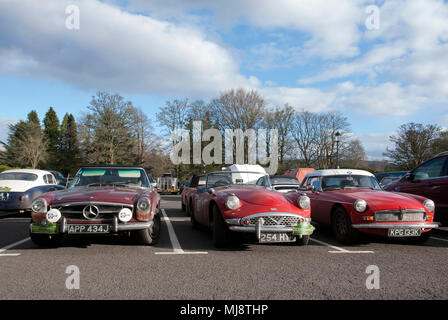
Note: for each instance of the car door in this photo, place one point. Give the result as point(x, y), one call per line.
point(424, 180)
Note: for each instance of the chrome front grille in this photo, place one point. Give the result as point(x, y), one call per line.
point(276, 220)
point(106, 212)
point(397, 215)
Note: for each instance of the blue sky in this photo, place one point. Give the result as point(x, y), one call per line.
point(316, 55)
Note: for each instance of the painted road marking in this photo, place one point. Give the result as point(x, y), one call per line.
point(435, 238)
point(177, 249)
point(338, 249)
point(12, 245)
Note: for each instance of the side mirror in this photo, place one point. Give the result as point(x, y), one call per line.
point(211, 191)
point(408, 176)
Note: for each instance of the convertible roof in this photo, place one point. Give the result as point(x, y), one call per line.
point(338, 172)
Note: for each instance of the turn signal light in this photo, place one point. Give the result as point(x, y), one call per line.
point(430, 218)
point(143, 216)
point(368, 218)
point(38, 217)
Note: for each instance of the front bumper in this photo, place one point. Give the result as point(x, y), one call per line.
point(302, 228)
point(396, 225)
point(115, 227)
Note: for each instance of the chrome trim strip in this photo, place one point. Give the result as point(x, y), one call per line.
point(394, 225)
point(262, 229)
point(135, 226)
point(93, 203)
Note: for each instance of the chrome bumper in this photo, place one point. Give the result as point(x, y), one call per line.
point(262, 228)
point(116, 227)
point(394, 226)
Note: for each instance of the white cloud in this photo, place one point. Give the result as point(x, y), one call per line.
point(113, 50)
point(375, 144)
point(4, 127)
point(331, 25)
point(310, 99)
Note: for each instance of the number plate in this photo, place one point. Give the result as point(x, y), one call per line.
point(88, 228)
point(276, 237)
point(404, 232)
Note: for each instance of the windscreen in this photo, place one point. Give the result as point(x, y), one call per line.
point(227, 178)
point(110, 176)
point(349, 182)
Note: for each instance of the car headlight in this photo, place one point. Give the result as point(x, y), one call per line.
point(429, 204)
point(232, 202)
point(143, 205)
point(360, 205)
point(39, 205)
point(303, 201)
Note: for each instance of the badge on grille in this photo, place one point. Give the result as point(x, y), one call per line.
point(402, 213)
point(90, 212)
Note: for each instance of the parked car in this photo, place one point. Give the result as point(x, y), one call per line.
point(100, 200)
point(299, 173)
point(279, 183)
point(19, 187)
point(168, 184)
point(387, 180)
point(231, 202)
point(183, 185)
point(389, 174)
point(351, 201)
point(430, 179)
point(187, 192)
point(60, 179)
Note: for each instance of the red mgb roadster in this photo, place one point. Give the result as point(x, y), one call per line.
point(100, 200)
point(351, 201)
point(231, 202)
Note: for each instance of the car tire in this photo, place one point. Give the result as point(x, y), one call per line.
point(151, 235)
point(45, 240)
point(341, 226)
point(183, 206)
point(302, 241)
point(220, 231)
point(194, 222)
point(419, 240)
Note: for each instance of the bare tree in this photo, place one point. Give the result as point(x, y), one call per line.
point(238, 109)
point(412, 144)
point(282, 118)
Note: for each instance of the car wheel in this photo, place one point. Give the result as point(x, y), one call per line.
point(419, 240)
point(45, 240)
point(194, 222)
point(302, 241)
point(151, 235)
point(342, 227)
point(188, 209)
point(183, 206)
point(220, 231)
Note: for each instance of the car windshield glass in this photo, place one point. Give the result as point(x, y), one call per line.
point(18, 176)
point(90, 177)
point(349, 182)
point(284, 180)
point(228, 178)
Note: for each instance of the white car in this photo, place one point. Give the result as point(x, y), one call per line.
point(19, 187)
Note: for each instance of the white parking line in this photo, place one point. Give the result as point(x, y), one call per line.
point(435, 238)
point(338, 249)
point(12, 245)
point(177, 249)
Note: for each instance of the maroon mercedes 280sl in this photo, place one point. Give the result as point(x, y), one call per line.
point(100, 200)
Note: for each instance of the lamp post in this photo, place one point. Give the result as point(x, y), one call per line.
point(337, 135)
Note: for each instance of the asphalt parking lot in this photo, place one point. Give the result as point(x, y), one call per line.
point(185, 265)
